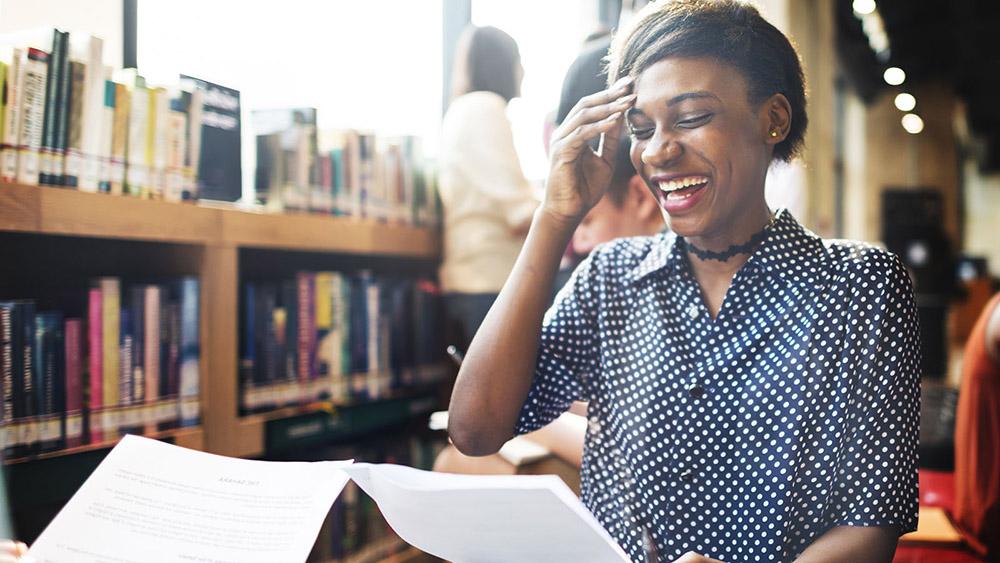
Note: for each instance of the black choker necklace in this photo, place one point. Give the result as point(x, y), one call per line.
point(745, 248)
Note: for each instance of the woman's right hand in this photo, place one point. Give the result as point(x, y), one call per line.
point(579, 176)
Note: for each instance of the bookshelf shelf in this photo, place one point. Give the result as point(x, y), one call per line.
point(323, 421)
point(318, 233)
point(55, 211)
point(192, 437)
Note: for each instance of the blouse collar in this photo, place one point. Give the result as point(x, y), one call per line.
point(790, 251)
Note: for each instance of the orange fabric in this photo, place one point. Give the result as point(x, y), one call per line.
point(977, 443)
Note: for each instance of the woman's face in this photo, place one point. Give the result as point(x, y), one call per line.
point(700, 146)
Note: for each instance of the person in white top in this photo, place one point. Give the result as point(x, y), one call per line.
point(488, 203)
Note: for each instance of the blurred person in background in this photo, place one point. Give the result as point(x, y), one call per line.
point(977, 437)
point(626, 210)
point(488, 203)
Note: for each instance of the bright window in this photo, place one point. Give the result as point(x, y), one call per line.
point(549, 35)
point(368, 65)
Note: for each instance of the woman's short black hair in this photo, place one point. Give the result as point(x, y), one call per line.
point(730, 31)
point(486, 59)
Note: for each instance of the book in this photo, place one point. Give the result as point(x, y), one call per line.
point(104, 143)
point(218, 156)
point(152, 343)
point(156, 147)
point(110, 361)
point(119, 138)
point(50, 380)
point(137, 171)
point(7, 376)
point(190, 351)
point(286, 157)
point(74, 357)
point(32, 83)
point(73, 151)
point(88, 158)
point(12, 94)
point(49, 161)
point(95, 365)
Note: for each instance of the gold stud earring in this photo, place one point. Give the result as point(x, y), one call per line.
point(774, 133)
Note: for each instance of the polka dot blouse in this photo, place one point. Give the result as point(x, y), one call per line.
point(745, 437)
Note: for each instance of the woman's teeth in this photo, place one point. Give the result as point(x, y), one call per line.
point(673, 188)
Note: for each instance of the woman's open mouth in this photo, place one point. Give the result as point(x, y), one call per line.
point(681, 193)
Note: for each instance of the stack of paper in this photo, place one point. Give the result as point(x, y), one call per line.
point(150, 502)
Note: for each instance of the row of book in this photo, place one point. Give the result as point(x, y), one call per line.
point(355, 526)
point(110, 360)
point(344, 172)
point(338, 337)
point(67, 119)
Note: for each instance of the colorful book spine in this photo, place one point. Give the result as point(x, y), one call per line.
point(137, 169)
point(50, 380)
point(73, 163)
point(73, 334)
point(9, 141)
point(51, 109)
point(8, 432)
point(325, 337)
point(119, 138)
point(24, 327)
point(110, 362)
point(95, 364)
point(63, 101)
point(35, 72)
point(124, 421)
point(104, 143)
point(3, 101)
point(156, 142)
point(94, 137)
point(190, 352)
point(306, 328)
point(151, 355)
point(137, 379)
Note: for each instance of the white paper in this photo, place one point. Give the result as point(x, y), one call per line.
point(487, 518)
point(152, 502)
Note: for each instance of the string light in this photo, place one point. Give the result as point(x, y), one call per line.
point(905, 102)
point(912, 123)
point(864, 7)
point(894, 76)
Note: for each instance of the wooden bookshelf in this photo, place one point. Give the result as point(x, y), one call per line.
point(188, 238)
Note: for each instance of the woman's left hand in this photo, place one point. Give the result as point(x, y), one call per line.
point(13, 551)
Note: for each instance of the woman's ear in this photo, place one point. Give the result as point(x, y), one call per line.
point(777, 117)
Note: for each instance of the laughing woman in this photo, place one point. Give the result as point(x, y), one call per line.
point(753, 389)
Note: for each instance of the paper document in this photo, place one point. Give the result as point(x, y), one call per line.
point(487, 518)
point(152, 502)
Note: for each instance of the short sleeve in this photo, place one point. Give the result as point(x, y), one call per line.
point(876, 482)
point(568, 357)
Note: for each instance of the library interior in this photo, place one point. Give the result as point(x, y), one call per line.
point(728, 269)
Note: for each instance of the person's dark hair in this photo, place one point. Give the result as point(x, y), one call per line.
point(730, 31)
point(486, 59)
point(587, 76)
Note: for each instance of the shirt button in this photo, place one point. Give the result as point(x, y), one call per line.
point(693, 311)
point(687, 475)
point(594, 425)
point(696, 391)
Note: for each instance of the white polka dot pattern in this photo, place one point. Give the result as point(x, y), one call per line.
point(745, 437)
